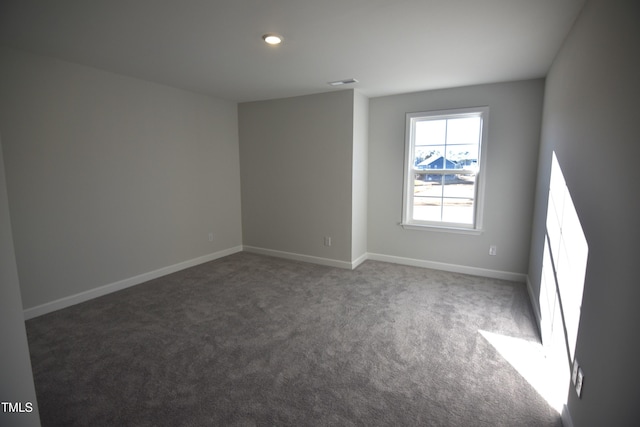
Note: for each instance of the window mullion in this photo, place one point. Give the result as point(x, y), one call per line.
point(444, 164)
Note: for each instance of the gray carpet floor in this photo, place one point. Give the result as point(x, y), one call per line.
point(249, 340)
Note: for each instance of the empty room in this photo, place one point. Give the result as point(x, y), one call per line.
point(248, 213)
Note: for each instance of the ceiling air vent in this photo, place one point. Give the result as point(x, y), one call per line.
point(343, 82)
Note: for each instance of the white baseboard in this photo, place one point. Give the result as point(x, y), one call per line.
point(58, 304)
point(536, 305)
point(495, 274)
point(68, 301)
point(299, 257)
point(362, 258)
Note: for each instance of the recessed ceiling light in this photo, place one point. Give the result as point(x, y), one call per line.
point(272, 39)
point(343, 82)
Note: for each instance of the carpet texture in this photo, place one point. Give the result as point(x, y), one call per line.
point(249, 340)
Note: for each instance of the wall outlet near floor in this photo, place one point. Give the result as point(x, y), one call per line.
point(327, 240)
point(211, 237)
point(493, 250)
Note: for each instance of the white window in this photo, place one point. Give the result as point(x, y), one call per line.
point(444, 168)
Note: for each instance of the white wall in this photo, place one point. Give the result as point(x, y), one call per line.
point(297, 157)
point(110, 177)
point(590, 121)
point(512, 149)
point(360, 176)
point(16, 379)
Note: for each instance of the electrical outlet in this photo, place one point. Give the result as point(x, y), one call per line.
point(327, 240)
point(211, 237)
point(493, 250)
point(579, 382)
point(577, 376)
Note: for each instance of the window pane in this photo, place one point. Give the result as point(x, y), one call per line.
point(461, 186)
point(463, 155)
point(457, 210)
point(463, 131)
point(427, 209)
point(427, 188)
point(424, 155)
point(430, 132)
point(431, 157)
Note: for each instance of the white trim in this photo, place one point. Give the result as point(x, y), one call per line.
point(494, 274)
point(408, 169)
point(299, 257)
point(536, 306)
point(70, 300)
point(567, 421)
point(362, 258)
point(439, 228)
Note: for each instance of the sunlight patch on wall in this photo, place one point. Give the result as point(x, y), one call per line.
point(566, 252)
point(547, 366)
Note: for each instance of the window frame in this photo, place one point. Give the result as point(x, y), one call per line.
point(410, 171)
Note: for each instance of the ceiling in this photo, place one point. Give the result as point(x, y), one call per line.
point(215, 46)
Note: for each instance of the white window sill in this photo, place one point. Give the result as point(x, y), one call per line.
point(445, 229)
